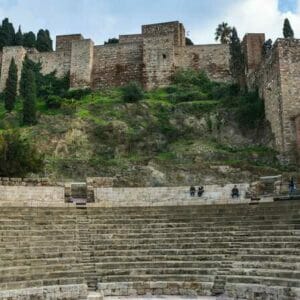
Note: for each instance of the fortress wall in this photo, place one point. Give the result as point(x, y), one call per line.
point(53, 61)
point(117, 64)
point(64, 42)
point(252, 47)
point(158, 60)
point(278, 81)
point(81, 63)
point(269, 83)
point(164, 196)
point(131, 38)
point(289, 66)
point(175, 29)
point(213, 59)
point(16, 52)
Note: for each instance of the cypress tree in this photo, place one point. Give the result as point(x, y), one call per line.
point(50, 42)
point(237, 62)
point(287, 29)
point(10, 91)
point(29, 40)
point(29, 99)
point(7, 34)
point(19, 37)
point(43, 42)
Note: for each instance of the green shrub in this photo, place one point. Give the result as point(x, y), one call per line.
point(77, 94)
point(18, 156)
point(132, 92)
point(250, 110)
point(184, 95)
point(54, 102)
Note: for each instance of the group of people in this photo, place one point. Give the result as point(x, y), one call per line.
point(200, 191)
point(235, 193)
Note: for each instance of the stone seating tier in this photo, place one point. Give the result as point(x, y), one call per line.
point(241, 251)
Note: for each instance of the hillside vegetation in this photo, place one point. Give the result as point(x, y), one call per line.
point(194, 130)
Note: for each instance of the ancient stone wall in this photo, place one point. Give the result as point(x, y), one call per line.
point(64, 42)
point(297, 122)
point(278, 80)
point(164, 196)
point(269, 82)
point(289, 64)
point(175, 29)
point(130, 38)
point(213, 59)
point(149, 58)
point(117, 64)
point(158, 60)
point(53, 61)
point(252, 47)
point(82, 56)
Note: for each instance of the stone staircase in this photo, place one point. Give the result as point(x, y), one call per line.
point(236, 251)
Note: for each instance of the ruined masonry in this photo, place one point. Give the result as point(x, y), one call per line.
point(152, 56)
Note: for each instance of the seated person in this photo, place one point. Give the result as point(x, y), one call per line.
point(235, 192)
point(192, 191)
point(200, 191)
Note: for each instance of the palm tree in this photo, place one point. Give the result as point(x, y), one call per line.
point(223, 33)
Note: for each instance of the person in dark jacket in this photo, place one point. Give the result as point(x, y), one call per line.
point(192, 191)
point(235, 193)
point(200, 191)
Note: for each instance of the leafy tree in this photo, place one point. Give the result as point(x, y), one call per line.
point(132, 92)
point(29, 40)
point(112, 41)
point(19, 37)
point(29, 97)
point(17, 156)
point(223, 33)
point(44, 42)
point(267, 47)
point(287, 29)
point(237, 61)
point(188, 42)
point(10, 91)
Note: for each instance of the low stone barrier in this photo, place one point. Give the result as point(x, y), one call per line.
point(59, 292)
point(31, 192)
point(161, 196)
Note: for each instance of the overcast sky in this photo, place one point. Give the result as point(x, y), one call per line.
point(102, 19)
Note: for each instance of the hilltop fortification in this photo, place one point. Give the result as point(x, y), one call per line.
point(152, 56)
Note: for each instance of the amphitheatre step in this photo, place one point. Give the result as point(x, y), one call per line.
point(156, 288)
point(159, 250)
point(66, 292)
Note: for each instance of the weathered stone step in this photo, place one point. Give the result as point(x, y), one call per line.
point(275, 273)
point(39, 283)
point(66, 292)
point(167, 277)
point(123, 234)
point(254, 291)
point(13, 262)
point(268, 281)
point(156, 271)
point(156, 288)
point(178, 244)
point(207, 251)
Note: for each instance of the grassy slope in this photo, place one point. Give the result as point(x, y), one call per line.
point(100, 135)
